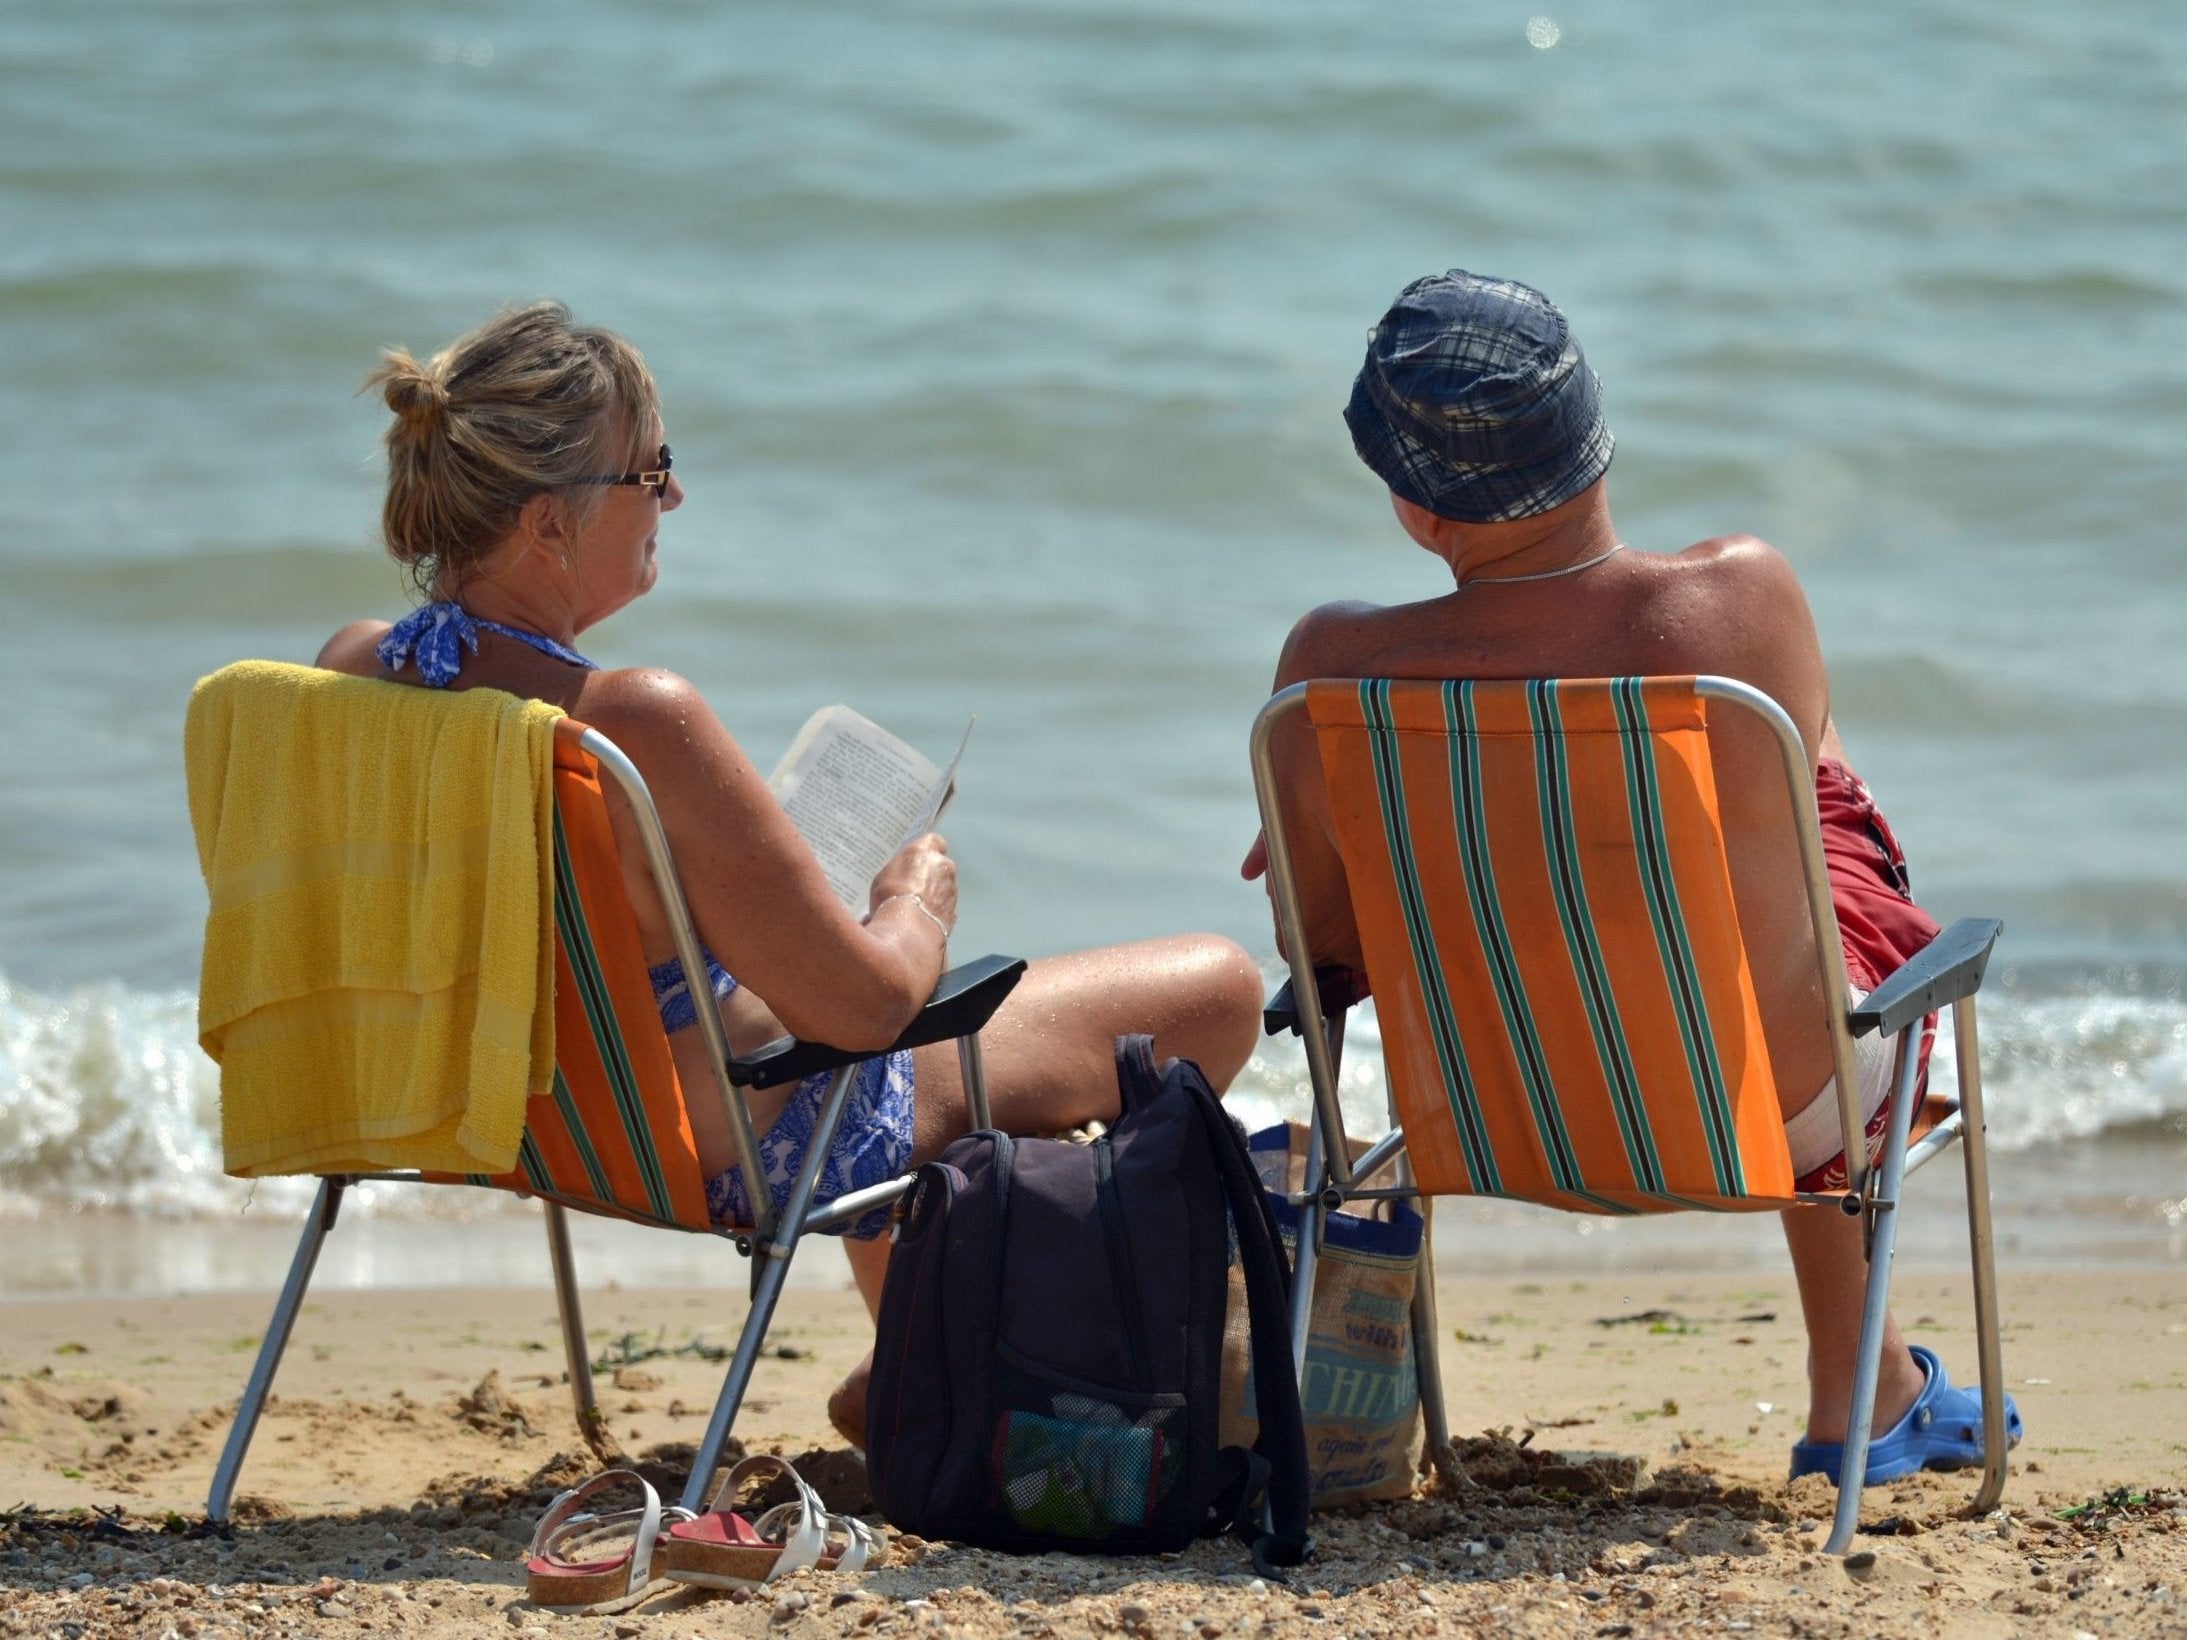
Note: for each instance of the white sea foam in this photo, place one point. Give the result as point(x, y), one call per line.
point(2072, 1067)
point(107, 1103)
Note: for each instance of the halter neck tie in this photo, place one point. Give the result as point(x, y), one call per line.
point(437, 635)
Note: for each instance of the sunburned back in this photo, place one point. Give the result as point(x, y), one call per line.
point(1728, 606)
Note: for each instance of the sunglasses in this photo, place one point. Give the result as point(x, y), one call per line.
point(653, 478)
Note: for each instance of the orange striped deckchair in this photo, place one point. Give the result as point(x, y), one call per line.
point(611, 1135)
point(1538, 874)
point(608, 1075)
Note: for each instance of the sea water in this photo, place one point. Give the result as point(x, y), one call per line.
point(1002, 348)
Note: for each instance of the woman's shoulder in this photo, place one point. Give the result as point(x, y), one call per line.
point(354, 649)
point(647, 708)
point(664, 725)
point(640, 695)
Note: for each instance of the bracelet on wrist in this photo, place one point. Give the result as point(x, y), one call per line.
point(923, 911)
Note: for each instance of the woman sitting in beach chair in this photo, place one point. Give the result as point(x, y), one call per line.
point(528, 474)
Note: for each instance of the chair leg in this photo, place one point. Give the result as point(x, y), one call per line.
point(770, 1272)
point(973, 1070)
point(1427, 1353)
point(1306, 1256)
point(324, 1209)
point(1436, 1455)
point(567, 1302)
point(1885, 1182)
point(1989, 1346)
point(765, 1291)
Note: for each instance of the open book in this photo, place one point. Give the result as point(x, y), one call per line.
point(858, 794)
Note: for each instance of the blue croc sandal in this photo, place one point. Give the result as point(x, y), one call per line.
point(1941, 1430)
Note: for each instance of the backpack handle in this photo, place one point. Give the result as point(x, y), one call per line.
point(1138, 1082)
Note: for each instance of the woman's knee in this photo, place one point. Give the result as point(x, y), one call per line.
point(1237, 977)
point(1198, 995)
point(1219, 1004)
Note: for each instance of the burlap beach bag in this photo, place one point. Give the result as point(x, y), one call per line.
point(1361, 1391)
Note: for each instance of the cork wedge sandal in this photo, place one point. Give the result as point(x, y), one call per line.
point(582, 1563)
point(722, 1550)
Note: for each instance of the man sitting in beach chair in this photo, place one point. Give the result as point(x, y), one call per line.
point(1478, 411)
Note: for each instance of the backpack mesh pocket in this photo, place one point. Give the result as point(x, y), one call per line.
point(1082, 1461)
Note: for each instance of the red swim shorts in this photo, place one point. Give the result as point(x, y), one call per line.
point(1879, 927)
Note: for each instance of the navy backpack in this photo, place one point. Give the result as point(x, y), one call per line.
point(1048, 1368)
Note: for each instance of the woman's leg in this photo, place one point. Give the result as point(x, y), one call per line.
point(869, 1267)
point(1050, 1051)
point(847, 1402)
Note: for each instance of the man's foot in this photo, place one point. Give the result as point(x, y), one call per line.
point(1941, 1430)
point(847, 1405)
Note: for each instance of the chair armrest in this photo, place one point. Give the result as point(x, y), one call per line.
point(1947, 968)
point(964, 999)
point(1340, 988)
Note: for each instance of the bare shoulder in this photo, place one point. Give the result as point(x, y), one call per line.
point(354, 649)
point(657, 716)
point(641, 701)
point(1740, 605)
point(1731, 584)
point(1330, 641)
point(1737, 562)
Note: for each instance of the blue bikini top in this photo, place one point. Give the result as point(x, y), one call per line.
point(438, 634)
point(672, 990)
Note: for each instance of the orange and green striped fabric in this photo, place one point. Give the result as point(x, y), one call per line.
point(611, 1136)
point(1538, 874)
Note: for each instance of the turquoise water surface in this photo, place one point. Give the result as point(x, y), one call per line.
point(1003, 346)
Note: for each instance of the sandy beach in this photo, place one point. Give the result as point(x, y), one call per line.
point(1625, 1440)
point(1005, 352)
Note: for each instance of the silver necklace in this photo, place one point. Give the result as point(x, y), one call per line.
point(1545, 574)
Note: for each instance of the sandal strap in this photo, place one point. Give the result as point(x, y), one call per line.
point(805, 1543)
point(565, 1521)
point(859, 1540)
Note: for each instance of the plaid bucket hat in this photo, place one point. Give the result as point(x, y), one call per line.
point(1476, 403)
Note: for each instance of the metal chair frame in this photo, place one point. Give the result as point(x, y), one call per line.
point(1949, 970)
point(963, 1001)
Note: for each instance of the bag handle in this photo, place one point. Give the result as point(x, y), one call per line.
point(1138, 1082)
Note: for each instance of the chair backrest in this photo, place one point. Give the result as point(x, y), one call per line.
point(1539, 878)
point(328, 911)
point(612, 1135)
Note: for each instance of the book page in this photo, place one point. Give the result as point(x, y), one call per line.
point(857, 794)
point(944, 789)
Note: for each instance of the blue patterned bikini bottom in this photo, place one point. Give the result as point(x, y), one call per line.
point(872, 1143)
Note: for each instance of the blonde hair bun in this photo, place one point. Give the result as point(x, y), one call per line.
point(412, 391)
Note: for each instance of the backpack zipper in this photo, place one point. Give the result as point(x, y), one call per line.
point(1121, 1275)
point(1002, 1159)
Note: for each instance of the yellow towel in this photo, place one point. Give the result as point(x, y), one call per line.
point(378, 980)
